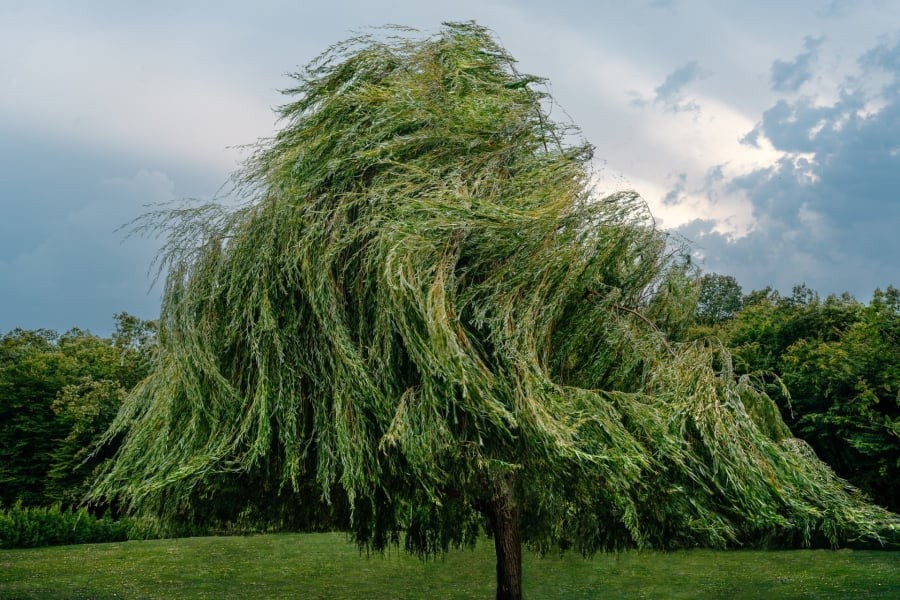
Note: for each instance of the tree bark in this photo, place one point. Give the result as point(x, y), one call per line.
point(504, 517)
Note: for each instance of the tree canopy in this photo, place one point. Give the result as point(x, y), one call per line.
point(833, 367)
point(719, 299)
point(422, 311)
point(58, 393)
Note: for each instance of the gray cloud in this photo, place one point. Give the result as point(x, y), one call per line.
point(62, 262)
point(834, 8)
point(670, 93)
point(714, 175)
point(827, 212)
point(164, 87)
point(788, 76)
point(80, 269)
point(884, 56)
point(675, 195)
point(676, 80)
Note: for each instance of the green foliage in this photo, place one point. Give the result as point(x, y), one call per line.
point(839, 361)
point(720, 298)
point(134, 340)
point(421, 306)
point(85, 411)
point(58, 393)
point(30, 527)
point(34, 367)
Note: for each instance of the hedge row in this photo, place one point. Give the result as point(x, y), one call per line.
point(29, 527)
point(34, 526)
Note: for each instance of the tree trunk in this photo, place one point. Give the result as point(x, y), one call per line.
point(504, 517)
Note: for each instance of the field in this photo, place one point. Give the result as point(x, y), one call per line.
point(326, 566)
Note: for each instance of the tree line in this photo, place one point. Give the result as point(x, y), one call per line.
point(58, 394)
point(831, 364)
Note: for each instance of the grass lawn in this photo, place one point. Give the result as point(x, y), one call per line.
point(327, 566)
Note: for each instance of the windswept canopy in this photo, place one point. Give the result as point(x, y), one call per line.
point(421, 306)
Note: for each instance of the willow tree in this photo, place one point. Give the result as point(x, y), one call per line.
point(421, 310)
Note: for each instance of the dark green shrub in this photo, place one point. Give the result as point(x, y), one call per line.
point(29, 527)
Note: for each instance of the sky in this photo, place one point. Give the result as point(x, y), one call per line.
point(767, 133)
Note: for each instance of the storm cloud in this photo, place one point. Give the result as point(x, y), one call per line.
point(766, 132)
point(828, 210)
point(789, 75)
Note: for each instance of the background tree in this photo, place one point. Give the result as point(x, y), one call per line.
point(720, 298)
point(85, 407)
point(83, 411)
point(31, 373)
point(422, 311)
point(58, 394)
point(838, 361)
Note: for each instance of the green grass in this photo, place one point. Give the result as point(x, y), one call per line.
point(326, 566)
